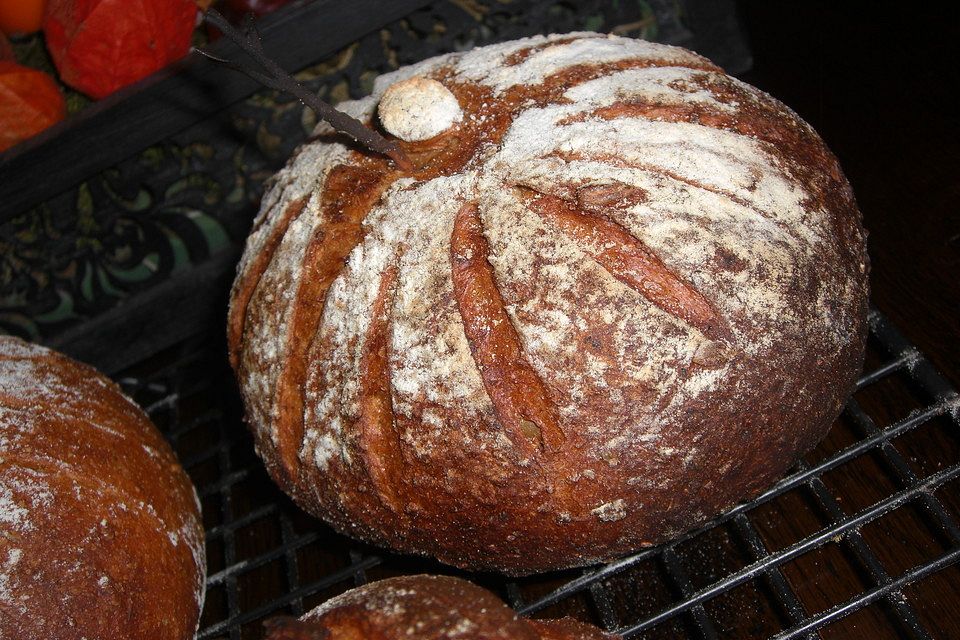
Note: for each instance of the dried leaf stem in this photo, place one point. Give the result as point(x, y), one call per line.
point(276, 78)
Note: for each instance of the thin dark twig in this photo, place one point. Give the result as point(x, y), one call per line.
point(276, 78)
point(262, 78)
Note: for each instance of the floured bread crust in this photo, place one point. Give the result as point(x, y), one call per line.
point(623, 293)
point(428, 608)
point(100, 530)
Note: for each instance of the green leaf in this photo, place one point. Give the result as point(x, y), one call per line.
point(106, 285)
point(153, 157)
point(63, 311)
point(138, 203)
point(181, 256)
point(213, 232)
point(86, 283)
point(137, 273)
point(84, 200)
point(209, 187)
point(593, 23)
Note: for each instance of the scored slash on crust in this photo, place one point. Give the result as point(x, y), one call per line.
point(630, 261)
point(351, 192)
point(520, 398)
point(518, 395)
point(537, 422)
point(378, 438)
point(249, 278)
point(390, 418)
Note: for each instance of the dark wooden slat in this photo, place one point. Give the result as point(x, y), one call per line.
point(155, 319)
point(177, 97)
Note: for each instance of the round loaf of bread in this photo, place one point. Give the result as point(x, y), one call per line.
point(619, 292)
point(427, 608)
point(100, 531)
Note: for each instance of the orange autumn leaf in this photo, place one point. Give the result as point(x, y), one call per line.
point(30, 101)
point(21, 16)
point(100, 46)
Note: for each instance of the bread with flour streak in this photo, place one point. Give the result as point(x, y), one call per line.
point(100, 531)
point(620, 292)
point(428, 608)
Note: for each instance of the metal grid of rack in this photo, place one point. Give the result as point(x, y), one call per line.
point(737, 576)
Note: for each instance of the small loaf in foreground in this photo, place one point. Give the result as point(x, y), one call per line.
point(619, 292)
point(427, 608)
point(100, 531)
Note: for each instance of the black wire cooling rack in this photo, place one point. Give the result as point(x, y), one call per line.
point(871, 497)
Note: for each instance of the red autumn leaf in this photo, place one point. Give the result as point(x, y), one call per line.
point(20, 16)
point(102, 45)
point(30, 101)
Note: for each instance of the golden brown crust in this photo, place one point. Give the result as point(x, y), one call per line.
point(350, 193)
point(627, 258)
point(378, 438)
point(100, 534)
point(245, 285)
point(621, 294)
point(519, 397)
point(428, 608)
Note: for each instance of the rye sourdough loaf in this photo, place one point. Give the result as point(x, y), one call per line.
point(427, 608)
point(100, 533)
point(619, 292)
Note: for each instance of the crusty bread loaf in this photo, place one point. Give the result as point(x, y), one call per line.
point(100, 532)
point(620, 292)
point(427, 608)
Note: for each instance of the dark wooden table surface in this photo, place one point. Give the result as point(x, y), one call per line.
point(877, 81)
